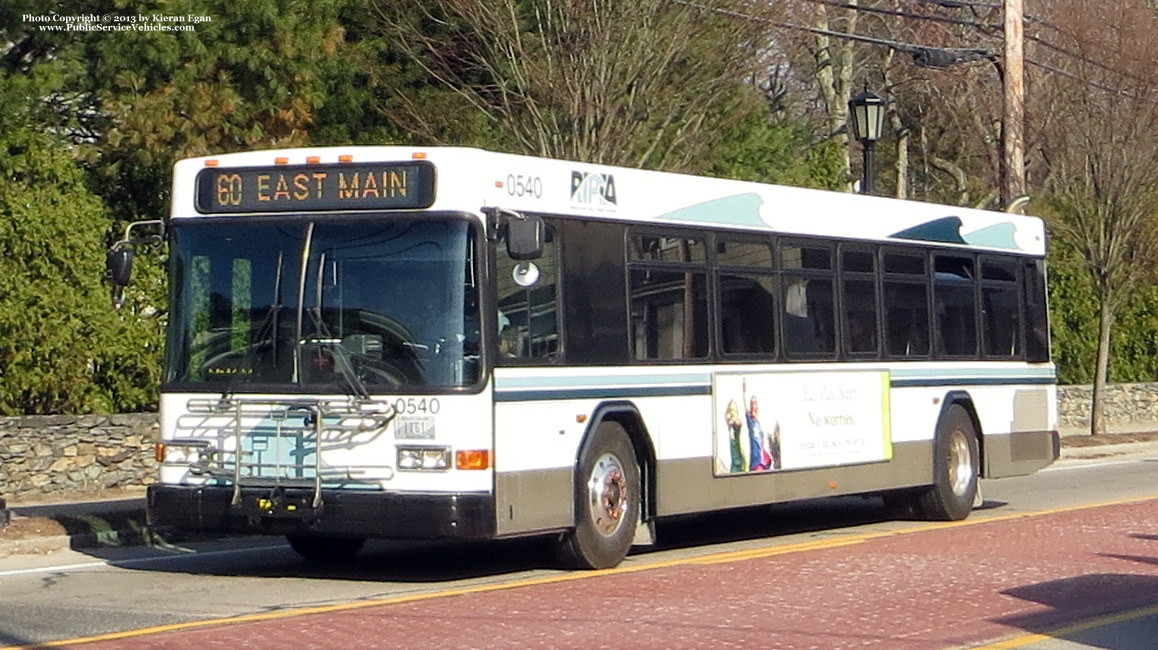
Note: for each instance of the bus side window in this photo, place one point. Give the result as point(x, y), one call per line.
point(668, 296)
point(809, 299)
point(747, 297)
point(1036, 317)
point(1000, 308)
point(906, 305)
point(954, 297)
point(859, 301)
point(748, 313)
point(527, 304)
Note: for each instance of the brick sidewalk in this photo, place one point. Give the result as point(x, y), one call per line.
point(945, 586)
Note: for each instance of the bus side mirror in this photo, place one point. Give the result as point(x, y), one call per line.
point(119, 261)
point(120, 265)
point(525, 237)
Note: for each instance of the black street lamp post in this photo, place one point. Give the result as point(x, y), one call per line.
point(868, 119)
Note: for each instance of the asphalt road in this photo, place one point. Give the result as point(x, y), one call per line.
point(1067, 556)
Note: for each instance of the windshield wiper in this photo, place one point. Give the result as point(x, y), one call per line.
point(343, 364)
point(305, 267)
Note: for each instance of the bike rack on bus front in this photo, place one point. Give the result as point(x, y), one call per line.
point(318, 415)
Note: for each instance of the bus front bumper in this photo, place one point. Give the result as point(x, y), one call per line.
point(289, 511)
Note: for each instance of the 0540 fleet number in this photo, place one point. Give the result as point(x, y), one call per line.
point(416, 406)
point(519, 185)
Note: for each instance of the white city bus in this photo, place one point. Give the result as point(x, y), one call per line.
point(429, 343)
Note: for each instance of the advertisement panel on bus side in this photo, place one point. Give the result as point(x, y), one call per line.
point(772, 421)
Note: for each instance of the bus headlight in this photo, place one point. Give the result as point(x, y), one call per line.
point(423, 458)
point(194, 453)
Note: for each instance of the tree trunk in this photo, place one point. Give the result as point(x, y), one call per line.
point(902, 151)
point(1097, 407)
point(834, 76)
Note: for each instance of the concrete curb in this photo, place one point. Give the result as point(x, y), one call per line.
point(98, 523)
point(134, 535)
point(53, 543)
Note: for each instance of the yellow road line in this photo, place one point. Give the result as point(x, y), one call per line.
point(1075, 628)
point(709, 558)
point(769, 551)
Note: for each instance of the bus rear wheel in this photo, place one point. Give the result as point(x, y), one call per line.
point(326, 549)
point(956, 468)
point(607, 501)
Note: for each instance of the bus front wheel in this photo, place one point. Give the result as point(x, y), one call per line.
point(956, 467)
point(607, 501)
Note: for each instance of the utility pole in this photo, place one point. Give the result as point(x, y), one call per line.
point(1013, 118)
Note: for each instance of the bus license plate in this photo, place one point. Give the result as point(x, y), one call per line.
point(411, 428)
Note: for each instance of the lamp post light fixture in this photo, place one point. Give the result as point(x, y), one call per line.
point(868, 120)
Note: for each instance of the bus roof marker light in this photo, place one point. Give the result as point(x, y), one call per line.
point(418, 155)
point(281, 160)
point(211, 162)
point(345, 158)
point(313, 160)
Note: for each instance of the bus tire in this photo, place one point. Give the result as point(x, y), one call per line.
point(326, 550)
point(956, 467)
point(607, 501)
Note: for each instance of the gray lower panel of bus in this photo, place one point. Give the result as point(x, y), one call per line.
point(542, 500)
point(1018, 454)
point(689, 486)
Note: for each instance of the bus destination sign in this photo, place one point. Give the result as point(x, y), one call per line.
point(347, 186)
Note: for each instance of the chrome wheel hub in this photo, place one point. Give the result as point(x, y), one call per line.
point(960, 463)
point(607, 493)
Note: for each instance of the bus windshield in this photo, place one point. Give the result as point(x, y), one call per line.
point(312, 304)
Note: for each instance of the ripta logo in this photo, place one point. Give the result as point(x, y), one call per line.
point(593, 190)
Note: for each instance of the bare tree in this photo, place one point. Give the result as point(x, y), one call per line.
point(647, 84)
point(935, 66)
point(947, 91)
point(835, 67)
point(1097, 115)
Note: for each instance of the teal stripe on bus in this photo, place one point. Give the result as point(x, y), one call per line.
point(600, 393)
point(1015, 373)
point(515, 389)
point(519, 389)
point(972, 381)
point(576, 381)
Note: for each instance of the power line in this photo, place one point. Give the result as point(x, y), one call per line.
point(961, 4)
point(958, 4)
point(1069, 75)
point(1082, 58)
point(950, 4)
point(907, 14)
point(923, 55)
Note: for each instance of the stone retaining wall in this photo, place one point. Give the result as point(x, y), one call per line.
point(1127, 406)
point(46, 454)
point(43, 455)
